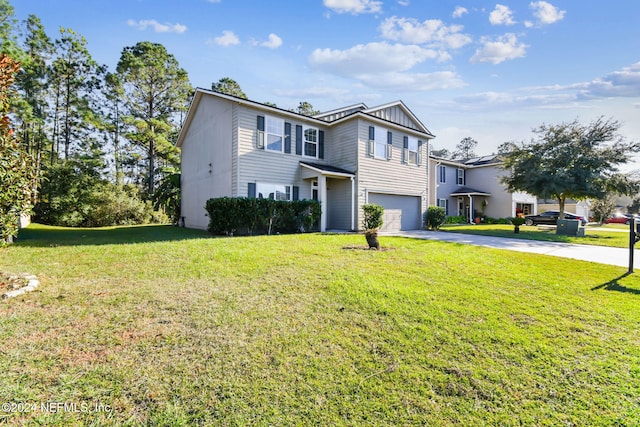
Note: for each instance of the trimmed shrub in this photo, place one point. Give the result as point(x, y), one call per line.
point(489, 220)
point(372, 216)
point(435, 217)
point(241, 215)
point(460, 219)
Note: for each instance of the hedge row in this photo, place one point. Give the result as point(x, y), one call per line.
point(241, 215)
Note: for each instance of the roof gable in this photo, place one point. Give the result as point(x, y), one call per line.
point(397, 112)
point(339, 113)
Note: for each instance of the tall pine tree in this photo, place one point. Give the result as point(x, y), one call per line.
point(156, 89)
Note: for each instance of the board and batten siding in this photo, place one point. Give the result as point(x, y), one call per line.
point(390, 176)
point(395, 114)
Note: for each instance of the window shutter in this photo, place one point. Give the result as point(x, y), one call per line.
point(389, 145)
point(446, 207)
point(419, 152)
point(287, 138)
point(252, 190)
point(405, 150)
point(371, 141)
point(321, 144)
point(299, 140)
point(296, 192)
point(260, 133)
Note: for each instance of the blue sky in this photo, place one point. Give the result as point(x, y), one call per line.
point(488, 70)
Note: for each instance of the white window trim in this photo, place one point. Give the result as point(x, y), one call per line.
point(380, 143)
point(263, 191)
point(267, 133)
point(413, 141)
point(460, 176)
point(442, 203)
point(304, 141)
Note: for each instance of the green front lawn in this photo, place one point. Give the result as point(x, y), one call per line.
point(166, 326)
point(593, 235)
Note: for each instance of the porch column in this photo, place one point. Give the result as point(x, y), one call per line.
point(470, 208)
point(322, 195)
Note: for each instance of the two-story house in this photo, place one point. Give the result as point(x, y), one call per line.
point(344, 158)
point(472, 188)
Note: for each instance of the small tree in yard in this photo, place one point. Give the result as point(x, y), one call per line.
point(603, 208)
point(570, 160)
point(372, 222)
point(16, 166)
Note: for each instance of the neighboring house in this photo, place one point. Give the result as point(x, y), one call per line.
point(344, 158)
point(578, 207)
point(472, 188)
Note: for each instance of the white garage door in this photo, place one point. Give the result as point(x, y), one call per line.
point(400, 212)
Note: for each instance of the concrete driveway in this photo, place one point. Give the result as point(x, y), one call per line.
point(599, 254)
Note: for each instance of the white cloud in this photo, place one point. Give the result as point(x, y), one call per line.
point(228, 38)
point(431, 32)
point(353, 6)
point(371, 58)
point(623, 83)
point(459, 11)
point(546, 13)
point(503, 48)
point(385, 66)
point(501, 15)
point(274, 42)
point(156, 26)
point(413, 81)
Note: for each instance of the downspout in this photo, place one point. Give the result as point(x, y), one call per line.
point(437, 180)
point(353, 202)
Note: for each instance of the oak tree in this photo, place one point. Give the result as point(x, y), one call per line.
point(570, 160)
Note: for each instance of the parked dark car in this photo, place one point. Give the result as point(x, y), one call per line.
point(551, 218)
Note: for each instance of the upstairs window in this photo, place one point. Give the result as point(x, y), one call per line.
point(380, 143)
point(311, 142)
point(411, 152)
point(442, 174)
point(460, 176)
point(274, 130)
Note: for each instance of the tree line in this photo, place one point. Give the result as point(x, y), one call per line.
point(94, 136)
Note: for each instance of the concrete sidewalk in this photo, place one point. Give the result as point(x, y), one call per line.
point(599, 254)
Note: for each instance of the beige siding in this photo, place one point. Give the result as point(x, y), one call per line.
point(261, 165)
point(432, 174)
point(339, 204)
point(206, 158)
point(341, 146)
point(389, 176)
